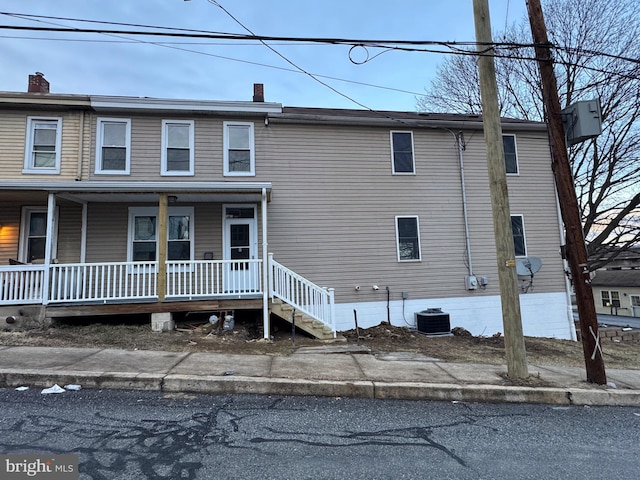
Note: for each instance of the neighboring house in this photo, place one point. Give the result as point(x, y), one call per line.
point(616, 289)
point(391, 210)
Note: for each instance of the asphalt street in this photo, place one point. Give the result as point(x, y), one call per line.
point(154, 435)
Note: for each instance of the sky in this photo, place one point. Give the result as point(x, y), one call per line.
point(206, 69)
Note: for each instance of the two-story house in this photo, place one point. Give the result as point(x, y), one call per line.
point(139, 205)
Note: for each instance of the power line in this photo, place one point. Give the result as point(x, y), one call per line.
point(297, 67)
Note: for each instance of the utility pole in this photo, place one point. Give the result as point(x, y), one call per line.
point(505, 251)
point(576, 251)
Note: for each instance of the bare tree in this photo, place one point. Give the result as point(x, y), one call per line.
point(597, 56)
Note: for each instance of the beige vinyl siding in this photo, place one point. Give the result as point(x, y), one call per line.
point(9, 232)
point(146, 142)
point(334, 204)
point(13, 126)
point(69, 233)
point(107, 231)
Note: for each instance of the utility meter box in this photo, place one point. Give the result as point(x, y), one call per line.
point(582, 121)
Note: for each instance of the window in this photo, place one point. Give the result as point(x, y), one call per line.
point(113, 146)
point(519, 241)
point(510, 154)
point(143, 238)
point(610, 298)
point(33, 235)
point(402, 153)
point(42, 150)
point(408, 239)
point(239, 155)
point(177, 147)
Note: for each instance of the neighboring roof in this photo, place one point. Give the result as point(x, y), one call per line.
point(395, 118)
point(617, 278)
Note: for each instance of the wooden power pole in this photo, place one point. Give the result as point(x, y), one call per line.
point(576, 251)
point(505, 251)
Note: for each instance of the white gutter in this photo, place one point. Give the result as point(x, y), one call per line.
point(140, 187)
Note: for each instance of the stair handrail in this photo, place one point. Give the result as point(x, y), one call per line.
point(304, 295)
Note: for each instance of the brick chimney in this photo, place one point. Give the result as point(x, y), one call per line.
point(258, 92)
point(38, 84)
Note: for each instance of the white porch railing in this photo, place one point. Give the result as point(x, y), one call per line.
point(103, 282)
point(21, 284)
point(209, 278)
point(303, 295)
point(131, 281)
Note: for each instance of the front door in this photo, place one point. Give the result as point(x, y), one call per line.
point(241, 273)
point(635, 305)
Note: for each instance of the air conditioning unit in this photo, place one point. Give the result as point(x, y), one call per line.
point(433, 321)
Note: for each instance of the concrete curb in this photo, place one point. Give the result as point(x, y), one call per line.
point(216, 385)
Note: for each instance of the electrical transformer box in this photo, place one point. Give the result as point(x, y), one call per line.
point(582, 121)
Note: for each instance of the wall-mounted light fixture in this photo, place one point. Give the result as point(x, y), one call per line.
point(172, 199)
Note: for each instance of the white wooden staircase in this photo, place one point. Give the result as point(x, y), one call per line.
point(313, 305)
point(304, 322)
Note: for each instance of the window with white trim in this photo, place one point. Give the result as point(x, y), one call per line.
point(113, 146)
point(143, 237)
point(408, 238)
point(519, 239)
point(33, 235)
point(402, 160)
point(177, 147)
point(610, 298)
point(43, 144)
point(510, 154)
point(239, 154)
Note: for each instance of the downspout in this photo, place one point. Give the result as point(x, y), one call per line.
point(265, 267)
point(565, 266)
point(461, 147)
point(51, 209)
point(80, 148)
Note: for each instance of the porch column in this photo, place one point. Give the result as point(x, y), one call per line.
point(266, 288)
point(51, 210)
point(161, 281)
point(83, 238)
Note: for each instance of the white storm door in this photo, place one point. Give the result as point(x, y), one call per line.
point(241, 274)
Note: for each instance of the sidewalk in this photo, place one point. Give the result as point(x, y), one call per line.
point(339, 371)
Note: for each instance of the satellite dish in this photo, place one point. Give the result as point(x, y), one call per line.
point(528, 266)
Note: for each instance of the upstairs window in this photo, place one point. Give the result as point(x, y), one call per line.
point(239, 155)
point(177, 147)
point(402, 153)
point(510, 154)
point(113, 146)
point(43, 142)
point(408, 239)
point(519, 240)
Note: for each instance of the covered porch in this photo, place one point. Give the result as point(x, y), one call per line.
point(208, 260)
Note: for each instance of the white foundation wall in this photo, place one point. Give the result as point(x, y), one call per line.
point(543, 315)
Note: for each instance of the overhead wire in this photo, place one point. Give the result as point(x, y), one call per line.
point(290, 62)
point(172, 46)
point(385, 45)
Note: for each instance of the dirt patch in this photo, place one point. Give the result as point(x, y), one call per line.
point(246, 337)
